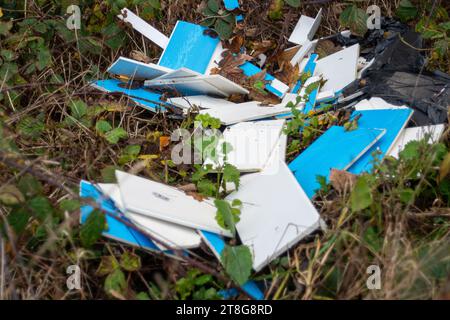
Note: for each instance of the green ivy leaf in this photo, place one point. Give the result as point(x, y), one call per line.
point(406, 11)
point(116, 282)
point(237, 262)
point(115, 135)
point(355, 19)
point(92, 229)
point(361, 196)
point(130, 261)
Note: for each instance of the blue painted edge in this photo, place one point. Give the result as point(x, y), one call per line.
point(217, 244)
point(250, 69)
point(116, 229)
point(112, 85)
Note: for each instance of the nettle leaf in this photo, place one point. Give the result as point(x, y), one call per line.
point(40, 207)
point(44, 58)
point(92, 228)
point(109, 174)
point(406, 10)
point(129, 154)
point(355, 19)
point(231, 174)
point(29, 185)
point(18, 219)
point(115, 135)
point(10, 195)
point(224, 29)
point(115, 282)
point(237, 262)
point(227, 214)
point(103, 126)
point(107, 265)
point(293, 3)
point(130, 261)
point(78, 109)
point(69, 205)
point(361, 196)
point(5, 26)
point(31, 127)
point(207, 187)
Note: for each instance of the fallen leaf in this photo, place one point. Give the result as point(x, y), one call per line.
point(139, 56)
point(164, 142)
point(197, 196)
point(342, 180)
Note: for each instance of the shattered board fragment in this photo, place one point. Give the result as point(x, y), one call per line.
point(433, 133)
point(136, 70)
point(116, 229)
point(305, 29)
point(275, 215)
point(335, 149)
point(175, 236)
point(189, 47)
point(163, 202)
point(391, 120)
point(144, 28)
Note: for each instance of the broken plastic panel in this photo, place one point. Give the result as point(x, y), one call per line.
point(276, 214)
point(252, 143)
point(136, 70)
point(166, 203)
point(432, 132)
point(336, 148)
point(144, 28)
point(174, 236)
point(338, 69)
point(305, 29)
point(144, 98)
point(391, 120)
point(116, 229)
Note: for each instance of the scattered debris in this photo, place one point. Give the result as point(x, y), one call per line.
point(196, 71)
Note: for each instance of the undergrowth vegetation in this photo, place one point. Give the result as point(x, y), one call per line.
point(56, 130)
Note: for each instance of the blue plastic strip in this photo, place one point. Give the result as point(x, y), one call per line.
point(112, 85)
point(250, 69)
point(189, 47)
point(250, 287)
point(231, 4)
point(116, 229)
point(392, 120)
point(335, 149)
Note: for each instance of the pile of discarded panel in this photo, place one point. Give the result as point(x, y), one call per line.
point(277, 211)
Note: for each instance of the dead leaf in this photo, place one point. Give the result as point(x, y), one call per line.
point(139, 56)
point(261, 46)
point(342, 180)
point(190, 187)
point(235, 44)
point(164, 142)
point(197, 196)
point(326, 47)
